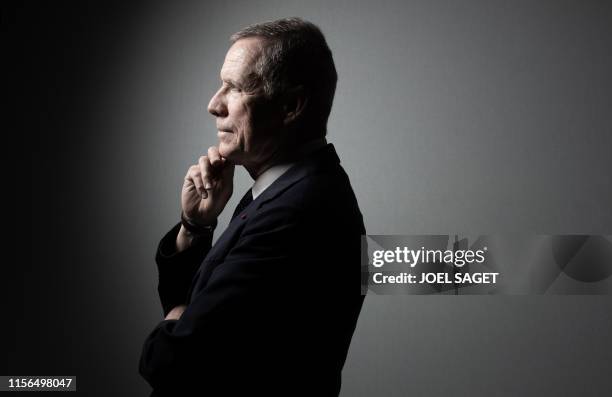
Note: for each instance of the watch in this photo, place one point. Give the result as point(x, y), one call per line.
point(195, 228)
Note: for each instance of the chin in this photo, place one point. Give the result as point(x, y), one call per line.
point(229, 152)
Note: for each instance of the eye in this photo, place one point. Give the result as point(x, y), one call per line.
point(231, 87)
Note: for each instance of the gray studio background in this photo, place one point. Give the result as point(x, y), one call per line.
point(476, 117)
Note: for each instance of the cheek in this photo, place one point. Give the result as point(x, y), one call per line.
point(244, 124)
point(250, 120)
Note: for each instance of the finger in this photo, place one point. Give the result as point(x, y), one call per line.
point(214, 157)
point(193, 177)
point(206, 172)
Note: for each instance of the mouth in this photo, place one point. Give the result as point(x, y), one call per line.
point(223, 134)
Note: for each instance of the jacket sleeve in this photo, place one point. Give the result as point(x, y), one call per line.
point(176, 270)
point(233, 300)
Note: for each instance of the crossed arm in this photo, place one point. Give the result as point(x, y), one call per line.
point(234, 297)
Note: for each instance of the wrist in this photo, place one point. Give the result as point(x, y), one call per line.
point(185, 239)
point(195, 228)
point(190, 233)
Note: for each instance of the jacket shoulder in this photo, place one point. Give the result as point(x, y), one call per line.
point(324, 195)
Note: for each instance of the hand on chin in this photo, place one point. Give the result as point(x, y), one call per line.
point(229, 151)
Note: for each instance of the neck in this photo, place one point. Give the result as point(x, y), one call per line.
point(283, 155)
point(279, 156)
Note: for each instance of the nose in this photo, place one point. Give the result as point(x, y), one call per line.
point(217, 106)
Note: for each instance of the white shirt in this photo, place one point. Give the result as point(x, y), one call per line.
point(270, 175)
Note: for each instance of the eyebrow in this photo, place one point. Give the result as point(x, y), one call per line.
point(231, 82)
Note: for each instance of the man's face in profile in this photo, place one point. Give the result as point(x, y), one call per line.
point(247, 122)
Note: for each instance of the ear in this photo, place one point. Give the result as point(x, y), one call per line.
point(294, 104)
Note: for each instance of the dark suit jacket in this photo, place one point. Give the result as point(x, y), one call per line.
point(272, 306)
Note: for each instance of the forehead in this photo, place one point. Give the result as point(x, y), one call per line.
point(241, 57)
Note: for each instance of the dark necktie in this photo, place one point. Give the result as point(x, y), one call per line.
point(244, 202)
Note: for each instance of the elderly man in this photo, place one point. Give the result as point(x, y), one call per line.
point(270, 309)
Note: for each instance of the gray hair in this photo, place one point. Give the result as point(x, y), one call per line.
point(295, 54)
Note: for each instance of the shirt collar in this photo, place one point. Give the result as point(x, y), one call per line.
point(270, 175)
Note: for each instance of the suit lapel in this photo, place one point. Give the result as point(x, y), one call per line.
point(218, 252)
